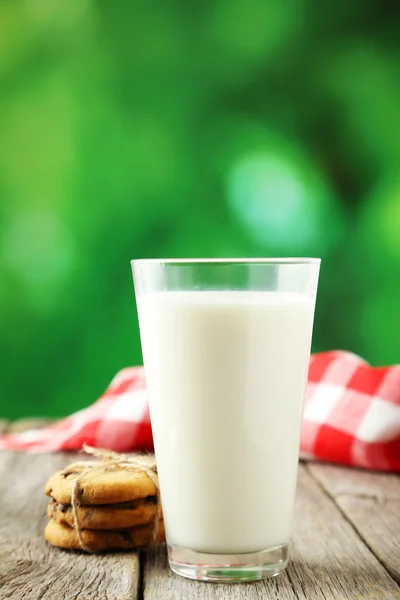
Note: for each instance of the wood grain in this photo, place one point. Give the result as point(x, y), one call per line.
point(32, 570)
point(371, 501)
point(161, 584)
point(329, 561)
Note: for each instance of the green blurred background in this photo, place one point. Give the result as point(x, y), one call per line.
point(186, 129)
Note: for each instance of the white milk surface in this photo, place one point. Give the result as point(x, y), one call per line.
point(226, 374)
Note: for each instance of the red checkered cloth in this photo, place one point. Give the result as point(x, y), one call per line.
point(351, 416)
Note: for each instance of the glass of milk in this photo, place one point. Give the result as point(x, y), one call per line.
point(226, 348)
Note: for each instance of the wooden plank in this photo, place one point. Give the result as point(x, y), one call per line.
point(371, 501)
point(29, 568)
point(329, 561)
point(161, 584)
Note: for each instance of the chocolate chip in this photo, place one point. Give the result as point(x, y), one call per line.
point(126, 536)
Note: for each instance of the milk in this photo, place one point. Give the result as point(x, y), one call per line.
point(226, 374)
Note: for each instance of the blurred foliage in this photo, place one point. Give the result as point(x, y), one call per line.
point(224, 128)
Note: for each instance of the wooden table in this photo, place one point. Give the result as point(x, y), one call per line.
point(346, 544)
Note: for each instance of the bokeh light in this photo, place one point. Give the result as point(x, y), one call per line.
point(281, 206)
point(231, 128)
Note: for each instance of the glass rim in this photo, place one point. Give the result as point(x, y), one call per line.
point(222, 261)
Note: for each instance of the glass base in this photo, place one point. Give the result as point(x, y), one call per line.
point(228, 567)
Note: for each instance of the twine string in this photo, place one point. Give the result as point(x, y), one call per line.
point(112, 461)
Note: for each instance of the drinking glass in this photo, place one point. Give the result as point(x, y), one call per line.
point(226, 348)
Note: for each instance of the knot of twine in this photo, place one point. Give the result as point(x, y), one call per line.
point(112, 461)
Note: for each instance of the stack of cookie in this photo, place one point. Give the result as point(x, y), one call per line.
point(117, 509)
